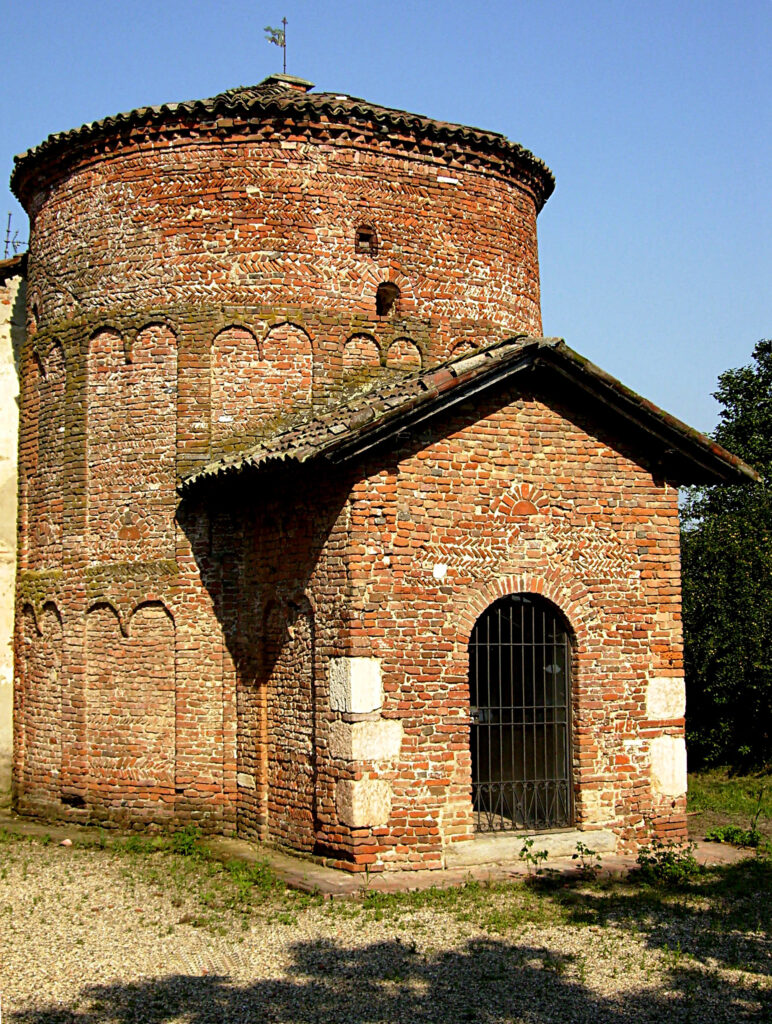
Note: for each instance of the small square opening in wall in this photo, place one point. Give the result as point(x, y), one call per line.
point(366, 241)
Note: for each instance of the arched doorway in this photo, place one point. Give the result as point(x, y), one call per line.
point(520, 703)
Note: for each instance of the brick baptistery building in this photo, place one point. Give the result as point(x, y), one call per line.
point(321, 543)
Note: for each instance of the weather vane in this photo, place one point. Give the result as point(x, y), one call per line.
point(278, 36)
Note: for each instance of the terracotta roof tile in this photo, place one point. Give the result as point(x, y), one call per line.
point(276, 96)
point(375, 414)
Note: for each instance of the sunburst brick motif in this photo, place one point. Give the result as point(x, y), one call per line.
point(522, 499)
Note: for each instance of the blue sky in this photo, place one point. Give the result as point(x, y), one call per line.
point(656, 247)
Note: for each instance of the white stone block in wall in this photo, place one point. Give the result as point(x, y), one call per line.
point(666, 698)
point(668, 765)
point(245, 781)
point(364, 803)
point(355, 685)
point(366, 741)
point(592, 804)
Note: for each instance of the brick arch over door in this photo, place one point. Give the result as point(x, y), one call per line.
point(571, 597)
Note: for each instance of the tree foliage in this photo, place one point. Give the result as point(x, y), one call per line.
point(727, 584)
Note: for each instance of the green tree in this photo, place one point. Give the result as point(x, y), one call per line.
point(727, 585)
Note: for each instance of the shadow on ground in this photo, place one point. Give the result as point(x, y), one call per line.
point(722, 919)
point(487, 981)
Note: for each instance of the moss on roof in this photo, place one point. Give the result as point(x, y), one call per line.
point(375, 415)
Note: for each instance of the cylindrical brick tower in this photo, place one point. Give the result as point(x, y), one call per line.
point(200, 274)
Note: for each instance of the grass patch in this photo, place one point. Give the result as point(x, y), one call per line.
point(223, 897)
point(496, 907)
point(719, 800)
point(735, 835)
point(720, 792)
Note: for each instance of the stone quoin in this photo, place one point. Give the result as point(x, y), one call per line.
point(321, 543)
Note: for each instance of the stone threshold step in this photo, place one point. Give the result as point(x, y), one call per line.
point(504, 847)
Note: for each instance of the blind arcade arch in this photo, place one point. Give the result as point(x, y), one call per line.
point(520, 705)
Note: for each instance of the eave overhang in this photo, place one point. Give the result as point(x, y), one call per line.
point(383, 413)
point(15, 266)
point(245, 109)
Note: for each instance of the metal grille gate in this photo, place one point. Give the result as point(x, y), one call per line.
point(520, 695)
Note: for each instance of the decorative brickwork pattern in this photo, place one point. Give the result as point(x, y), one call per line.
point(254, 384)
point(361, 351)
point(403, 353)
point(130, 694)
point(132, 413)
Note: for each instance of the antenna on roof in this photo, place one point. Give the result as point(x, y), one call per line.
point(11, 240)
point(278, 36)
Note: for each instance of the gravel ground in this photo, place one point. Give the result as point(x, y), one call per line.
point(91, 935)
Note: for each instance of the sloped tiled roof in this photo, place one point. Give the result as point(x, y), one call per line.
point(13, 267)
point(380, 413)
point(282, 94)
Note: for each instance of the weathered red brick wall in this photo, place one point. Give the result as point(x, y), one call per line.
point(271, 221)
point(394, 561)
point(188, 291)
point(508, 498)
point(37, 715)
point(192, 291)
point(524, 496)
point(131, 420)
point(254, 383)
point(44, 480)
point(130, 710)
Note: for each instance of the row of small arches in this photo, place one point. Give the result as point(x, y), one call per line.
point(49, 620)
point(360, 347)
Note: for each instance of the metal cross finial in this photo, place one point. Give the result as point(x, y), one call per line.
point(278, 36)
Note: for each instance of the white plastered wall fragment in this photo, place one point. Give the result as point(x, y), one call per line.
point(665, 698)
point(355, 685)
point(668, 765)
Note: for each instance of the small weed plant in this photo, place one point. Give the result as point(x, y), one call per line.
point(185, 842)
point(668, 863)
point(532, 861)
point(590, 861)
point(735, 836)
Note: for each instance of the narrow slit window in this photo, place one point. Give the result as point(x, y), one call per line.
point(385, 297)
